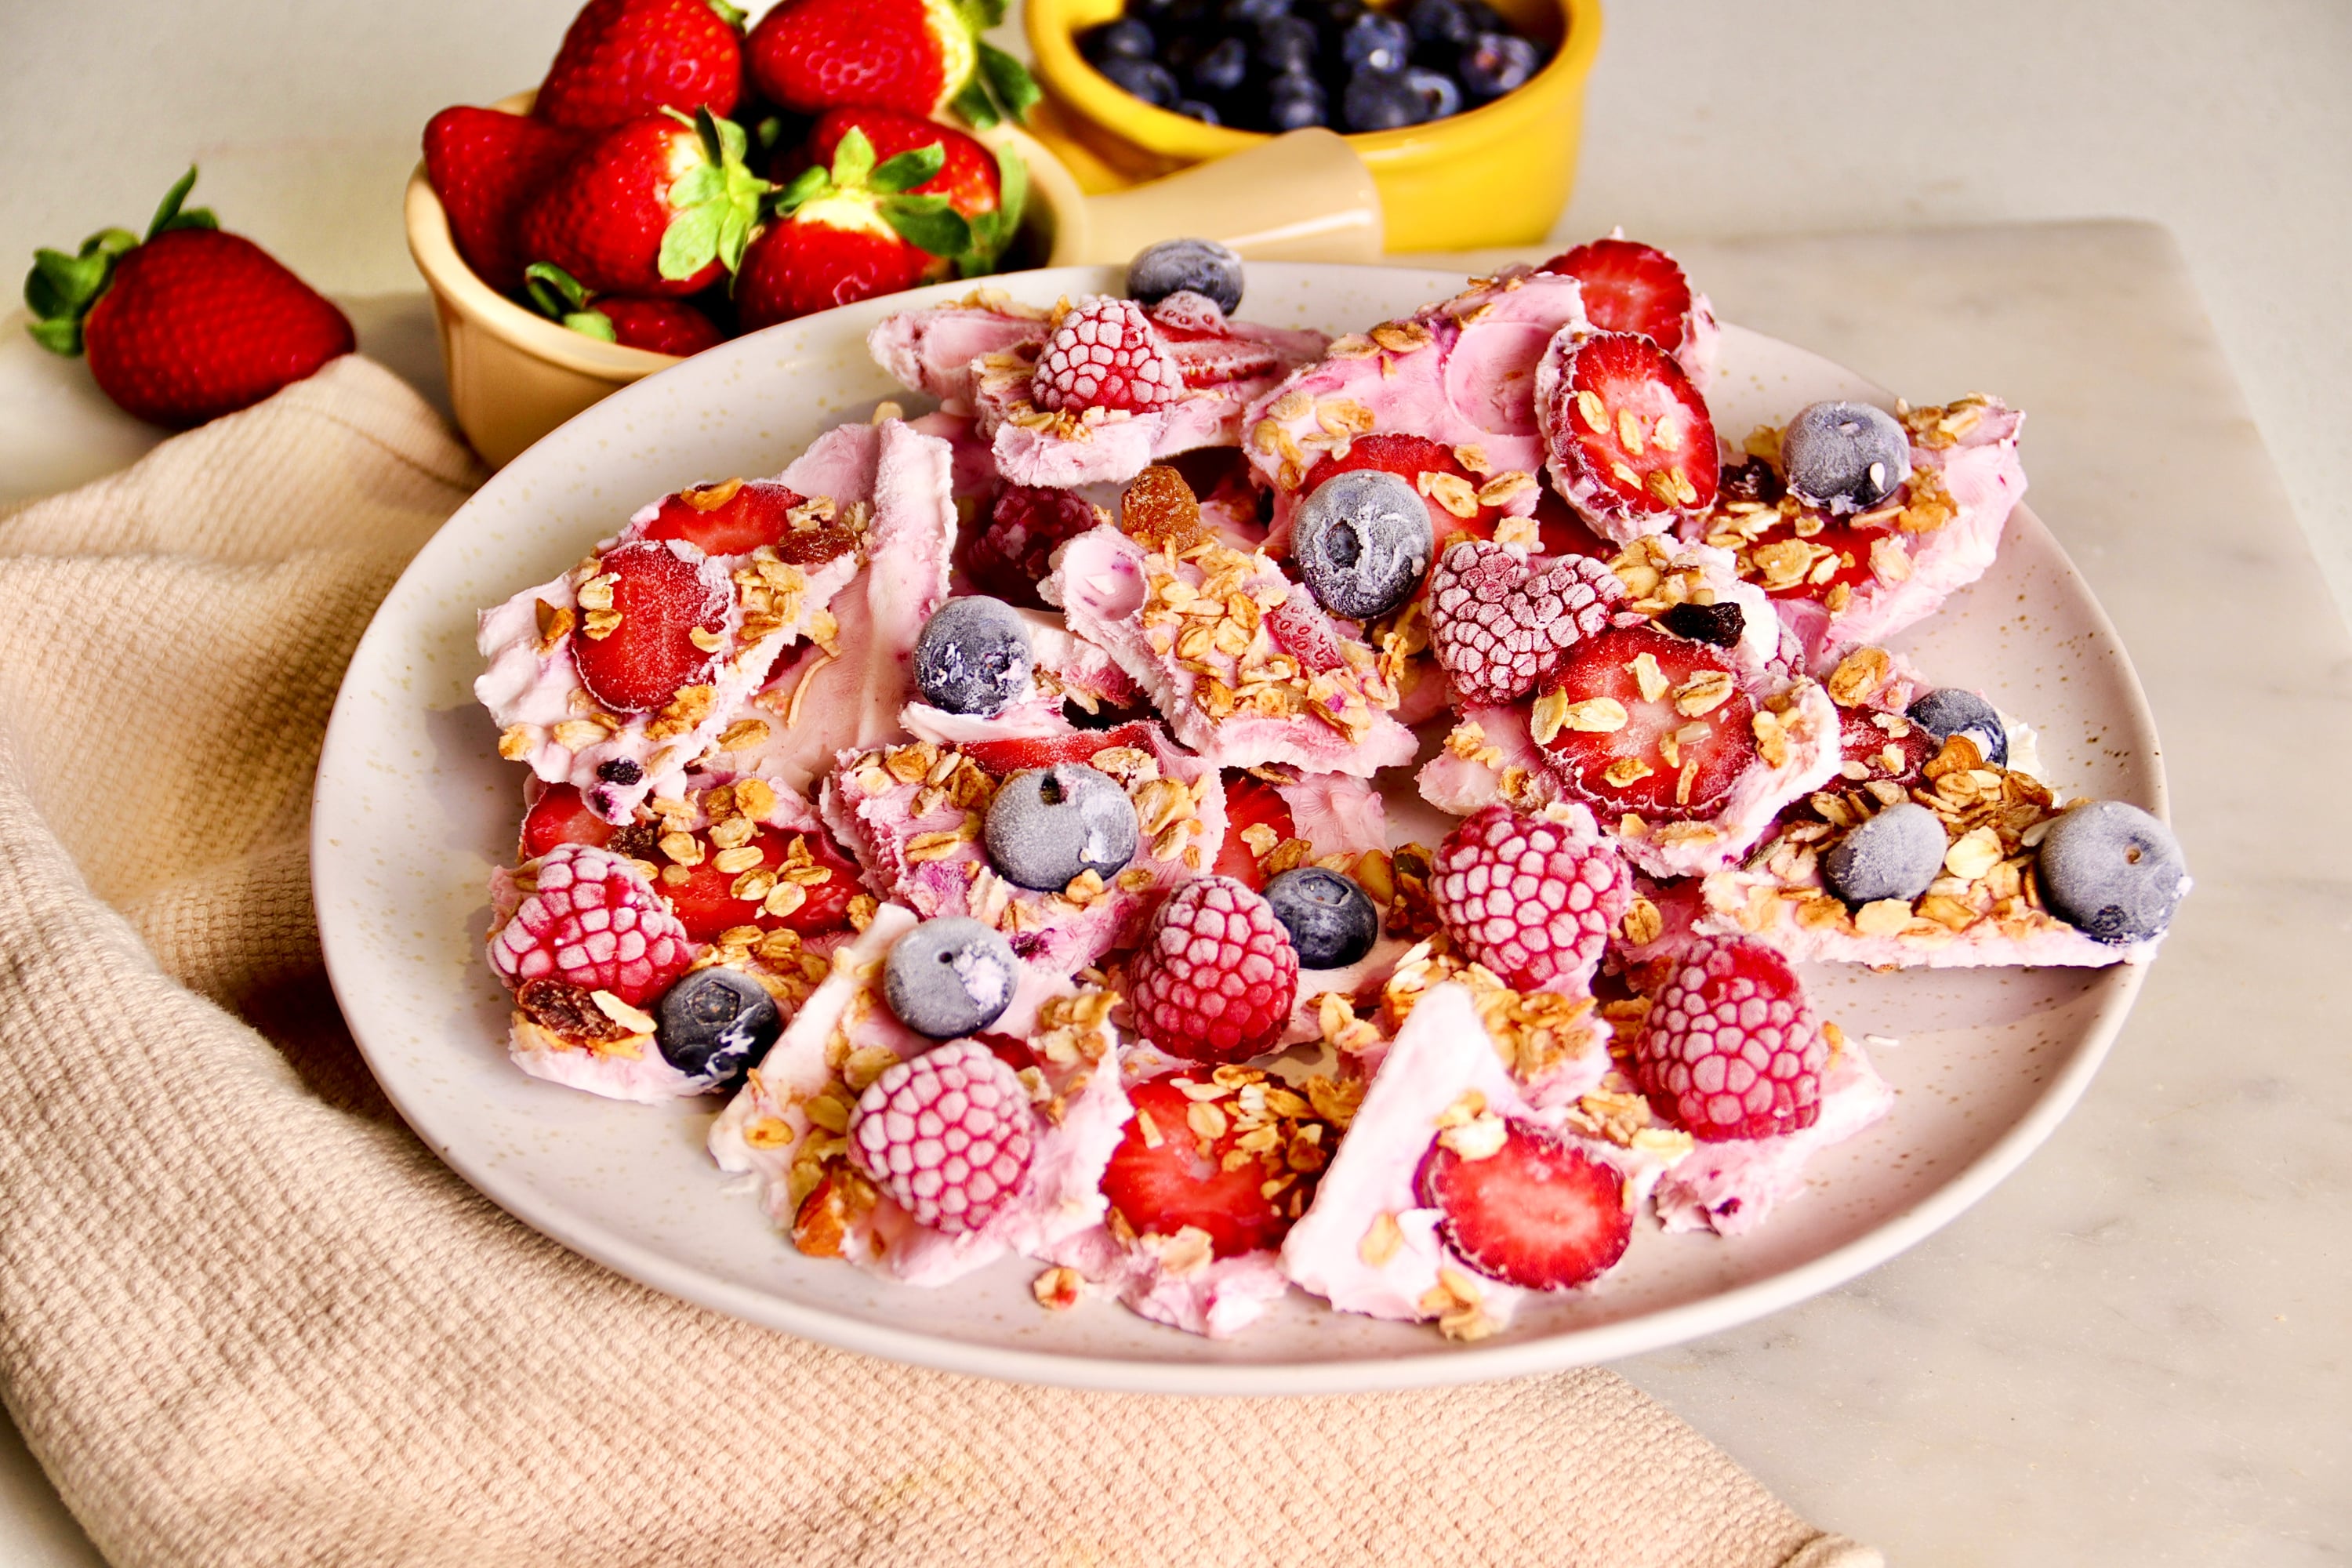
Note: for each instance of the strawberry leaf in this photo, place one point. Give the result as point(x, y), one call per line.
point(62, 336)
point(61, 288)
point(1012, 190)
point(169, 215)
point(593, 324)
point(1009, 80)
point(974, 106)
point(938, 229)
point(553, 290)
point(691, 241)
point(730, 14)
point(907, 169)
point(806, 187)
point(714, 205)
point(853, 159)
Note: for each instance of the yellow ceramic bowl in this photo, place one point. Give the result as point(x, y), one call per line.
point(514, 375)
point(1498, 175)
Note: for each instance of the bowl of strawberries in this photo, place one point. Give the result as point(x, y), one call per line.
point(677, 180)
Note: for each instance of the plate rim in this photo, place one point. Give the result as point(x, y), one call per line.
point(2119, 988)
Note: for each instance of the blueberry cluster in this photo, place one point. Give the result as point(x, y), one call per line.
point(1285, 64)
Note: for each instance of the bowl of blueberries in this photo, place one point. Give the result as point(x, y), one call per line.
point(1465, 111)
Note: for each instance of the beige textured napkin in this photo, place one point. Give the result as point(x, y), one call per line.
point(245, 1316)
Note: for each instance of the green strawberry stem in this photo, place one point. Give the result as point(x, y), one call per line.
point(561, 298)
point(730, 14)
point(714, 205)
point(60, 289)
point(1001, 89)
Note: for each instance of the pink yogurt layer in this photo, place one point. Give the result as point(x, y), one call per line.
point(1460, 372)
point(1501, 763)
point(1067, 669)
point(1138, 606)
point(1441, 1054)
point(978, 357)
point(1062, 1194)
point(1731, 1187)
point(1172, 1282)
point(644, 1078)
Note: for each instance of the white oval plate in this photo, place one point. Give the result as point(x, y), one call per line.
point(414, 807)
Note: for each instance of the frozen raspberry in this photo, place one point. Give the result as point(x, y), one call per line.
point(1010, 556)
point(1729, 1049)
point(1529, 898)
point(1216, 975)
point(947, 1135)
point(1105, 355)
point(1499, 627)
point(593, 921)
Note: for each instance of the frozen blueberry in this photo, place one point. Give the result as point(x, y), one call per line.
point(1440, 23)
point(1221, 69)
point(1363, 542)
point(1147, 79)
point(1126, 38)
point(1894, 854)
point(1287, 46)
point(1296, 102)
point(1194, 109)
point(949, 976)
point(1723, 623)
point(1376, 41)
point(1948, 711)
point(1330, 920)
point(1441, 94)
point(623, 771)
point(1253, 13)
point(974, 656)
point(1048, 824)
point(1203, 266)
point(1496, 63)
point(2113, 872)
point(1381, 100)
point(715, 1023)
point(1847, 456)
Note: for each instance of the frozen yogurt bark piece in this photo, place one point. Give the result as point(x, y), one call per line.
point(1841, 582)
point(1460, 372)
point(845, 690)
point(1244, 666)
point(981, 357)
point(915, 816)
point(1732, 1186)
point(1068, 670)
point(788, 1125)
point(624, 672)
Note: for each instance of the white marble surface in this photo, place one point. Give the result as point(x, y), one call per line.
point(2132, 1352)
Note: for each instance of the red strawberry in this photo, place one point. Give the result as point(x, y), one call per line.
point(658, 205)
point(1538, 1213)
point(486, 165)
point(1559, 531)
point(1216, 975)
point(1665, 736)
point(708, 902)
point(967, 175)
point(1630, 439)
point(560, 816)
point(1729, 1049)
point(1251, 802)
point(1883, 746)
point(663, 597)
point(1410, 457)
point(850, 230)
point(1629, 288)
point(623, 58)
point(663, 326)
point(1005, 757)
point(917, 57)
point(1105, 354)
point(188, 325)
point(1160, 1178)
point(733, 517)
point(1010, 556)
point(1829, 560)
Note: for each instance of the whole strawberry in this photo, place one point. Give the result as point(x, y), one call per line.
point(848, 232)
point(986, 186)
point(486, 165)
point(661, 326)
point(918, 56)
point(623, 59)
point(660, 206)
point(186, 325)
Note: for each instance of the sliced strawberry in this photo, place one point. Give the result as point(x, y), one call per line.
point(1024, 753)
point(1013, 1052)
point(1630, 287)
point(1160, 1181)
point(1409, 458)
point(1299, 628)
point(560, 816)
point(705, 904)
point(1629, 438)
point(1209, 355)
point(1010, 556)
point(1830, 558)
point(733, 517)
point(1538, 1213)
point(1886, 746)
point(1639, 735)
point(1251, 802)
point(663, 599)
point(1561, 532)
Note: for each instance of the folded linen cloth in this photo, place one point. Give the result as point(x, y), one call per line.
point(245, 1316)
